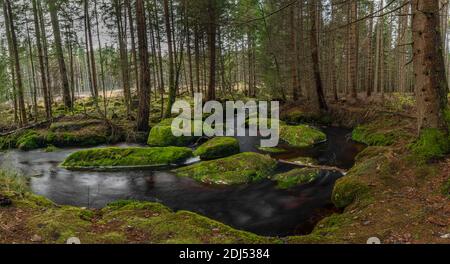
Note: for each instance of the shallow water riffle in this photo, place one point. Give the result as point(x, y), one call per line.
point(260, 207)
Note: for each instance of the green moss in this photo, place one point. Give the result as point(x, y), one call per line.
point(126, 157)
point(297, 116)
point(73, 125)
point(432, 143)
point(301, 136)
point(238, 169)
point(383, 131)
point(218, 147)
point(347, 190)
point(158, 224)
point(30, 140)
point(51, 148)
point(59, 224)
point(161, 136)
point(12, 183)
point(296, 177)
point(84, 137)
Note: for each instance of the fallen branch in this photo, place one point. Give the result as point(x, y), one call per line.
point(320, 167)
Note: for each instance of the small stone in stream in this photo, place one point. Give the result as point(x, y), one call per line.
point(5, 201)
point(36, 238)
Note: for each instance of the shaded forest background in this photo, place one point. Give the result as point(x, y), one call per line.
point(151, 52)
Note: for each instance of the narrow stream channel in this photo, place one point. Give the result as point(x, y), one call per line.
point(260, 208)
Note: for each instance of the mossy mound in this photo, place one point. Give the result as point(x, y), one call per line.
point(30, 140)
point(347, 190)
point(62, 134)
point(219, 147)
point(86, 136)
point(302, 135)
point(238, 169)
point(24, 140)
point(383, 131)
point(73, 125)
point(126, 157)
point(431, 144)
point(161, 136)
point(296, 177)
point(297, 116)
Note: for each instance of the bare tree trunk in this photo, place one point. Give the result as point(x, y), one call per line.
point(144, 92)
point(133, 44)
point(429, 68)
point(13, 49)
point(47, 104)
point(321, 103)
point(353, 50)
point(212, 31)
point(294, 61)
point(59, 53)
point(172, 89)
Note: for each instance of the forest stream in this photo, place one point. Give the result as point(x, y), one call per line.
point(261, 207)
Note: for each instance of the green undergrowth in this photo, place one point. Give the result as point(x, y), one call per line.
point(297, 116)
point(301, 135)
point(126, 157)
point(242, 168)
point(218, 147)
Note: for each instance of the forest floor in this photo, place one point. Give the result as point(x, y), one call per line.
point(390, 193)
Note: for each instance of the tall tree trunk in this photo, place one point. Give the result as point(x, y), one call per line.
point(47, 104)
point(429, 68)
point(294, 61)
point(353, 49)
point(369, 72)
point(59, 54)
point(172, 89)
point(91, 50)
point(123, 57)
point(13, 46)
point(133, 44)
point(321, 103)
point(144, 92)
point(212, 32)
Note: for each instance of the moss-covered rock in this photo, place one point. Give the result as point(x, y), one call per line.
point(238, 169)
point(296, 177)
point(219, 147)
point(297, 116)
point(126, 157)
point(383, 131)
point(432, 143)
point(87, 136)
point(161, 136)
point(302, 135)
point(30, 140)
point(347, 190)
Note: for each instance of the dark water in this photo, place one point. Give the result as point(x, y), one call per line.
point(259, 207)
